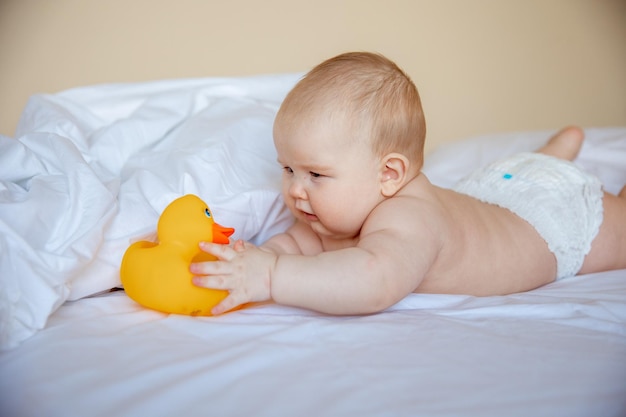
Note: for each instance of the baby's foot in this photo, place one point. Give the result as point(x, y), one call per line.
point(564, 144)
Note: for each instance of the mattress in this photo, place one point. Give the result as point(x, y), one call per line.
point(88, 173)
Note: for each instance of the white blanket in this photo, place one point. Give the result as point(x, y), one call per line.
point(92, 168)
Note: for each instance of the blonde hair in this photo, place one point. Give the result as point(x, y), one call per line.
point(371, 92)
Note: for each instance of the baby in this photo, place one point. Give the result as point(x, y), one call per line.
point(370, 228)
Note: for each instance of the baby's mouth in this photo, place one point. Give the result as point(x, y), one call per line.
point(303, 209)
point(309, 216)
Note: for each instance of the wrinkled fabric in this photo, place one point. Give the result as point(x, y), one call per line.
point(91, 169)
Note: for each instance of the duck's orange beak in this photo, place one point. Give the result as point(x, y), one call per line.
point(221, 233)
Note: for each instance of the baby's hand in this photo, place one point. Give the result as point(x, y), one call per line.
point(243, 270)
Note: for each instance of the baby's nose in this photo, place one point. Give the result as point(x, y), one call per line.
point(296, 190)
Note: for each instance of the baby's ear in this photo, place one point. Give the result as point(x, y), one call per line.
point(394, 171)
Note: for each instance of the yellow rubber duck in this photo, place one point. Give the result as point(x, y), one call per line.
point(156, 275)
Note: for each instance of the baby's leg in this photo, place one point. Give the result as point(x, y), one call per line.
point(608, 249)
point(565, 144)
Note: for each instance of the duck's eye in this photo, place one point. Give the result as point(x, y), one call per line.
point(207, 213)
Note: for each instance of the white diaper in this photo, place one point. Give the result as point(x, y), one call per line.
point(562, 202)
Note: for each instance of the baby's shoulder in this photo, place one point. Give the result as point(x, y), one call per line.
point(414, 207)
point(406, 224)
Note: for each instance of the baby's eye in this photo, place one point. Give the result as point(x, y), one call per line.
point(288, 170)
point(315, 174)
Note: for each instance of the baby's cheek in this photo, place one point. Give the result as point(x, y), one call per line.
point(289, 202)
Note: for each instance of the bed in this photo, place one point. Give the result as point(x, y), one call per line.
point(89, 171)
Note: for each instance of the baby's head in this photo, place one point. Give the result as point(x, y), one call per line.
point(367, 96)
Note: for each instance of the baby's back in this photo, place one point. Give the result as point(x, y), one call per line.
point(486, 250)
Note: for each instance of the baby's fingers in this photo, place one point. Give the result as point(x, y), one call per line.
point(227, 304)
point(223, 252)
point(214, 282)
point(211, 268)
point(219, 283)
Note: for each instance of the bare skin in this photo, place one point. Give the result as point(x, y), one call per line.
point(346, 255)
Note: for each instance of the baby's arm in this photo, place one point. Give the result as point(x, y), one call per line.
point(395, 252)
point(388, 263)
point(298, 239)
point(346, 281)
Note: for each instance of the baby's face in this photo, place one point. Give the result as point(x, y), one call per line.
point(329, 181)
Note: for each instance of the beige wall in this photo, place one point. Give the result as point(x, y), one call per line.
point(481, 65)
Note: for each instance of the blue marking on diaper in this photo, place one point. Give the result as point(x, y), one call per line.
point(507, 176)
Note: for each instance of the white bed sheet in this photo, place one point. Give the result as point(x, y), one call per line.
point(556, 351)
point(91, 169)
